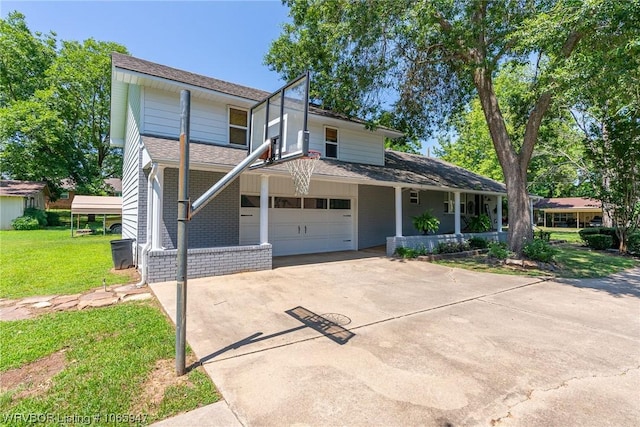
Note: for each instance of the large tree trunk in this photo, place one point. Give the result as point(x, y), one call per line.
point(514, 165)
point(520, 224)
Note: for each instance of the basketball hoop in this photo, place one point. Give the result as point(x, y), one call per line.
point(301, 170)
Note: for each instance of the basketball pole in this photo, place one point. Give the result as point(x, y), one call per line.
point(184, 205)
point(186, 211)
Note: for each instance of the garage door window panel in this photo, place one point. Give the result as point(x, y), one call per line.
point(340, 204)
point(315, 203)
point(287, 202)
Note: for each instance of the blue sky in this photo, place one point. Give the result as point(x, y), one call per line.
point(222, 39)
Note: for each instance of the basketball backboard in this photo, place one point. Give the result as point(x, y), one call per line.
point(282, 118)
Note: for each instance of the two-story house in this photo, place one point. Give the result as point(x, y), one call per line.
point(361, 195)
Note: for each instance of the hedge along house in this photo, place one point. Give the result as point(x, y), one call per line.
point(361, 195)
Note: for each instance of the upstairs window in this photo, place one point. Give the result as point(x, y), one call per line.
point(238, 126)
point(331, 142)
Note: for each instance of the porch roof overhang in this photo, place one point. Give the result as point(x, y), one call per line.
point(400, 169)
point(96, 205)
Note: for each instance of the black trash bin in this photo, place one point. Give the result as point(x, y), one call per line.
point(122, 253)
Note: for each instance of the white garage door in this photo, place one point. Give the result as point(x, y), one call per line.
point(300, 225)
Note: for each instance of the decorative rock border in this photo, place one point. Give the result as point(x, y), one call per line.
point(453, 255)
point(30, 307)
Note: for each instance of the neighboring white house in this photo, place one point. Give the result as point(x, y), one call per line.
point(16, 196)
point(361, 194)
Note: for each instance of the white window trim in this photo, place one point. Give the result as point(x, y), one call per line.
point(337, 143)
point(414, 197)
point(449, 199)
point(229, 125)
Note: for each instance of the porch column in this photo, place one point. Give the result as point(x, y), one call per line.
point(398, 211)
point(499, 214)
point(533, 221)
point(578, 219)
point(456, 201)
point(158, 199)
point(264, 209)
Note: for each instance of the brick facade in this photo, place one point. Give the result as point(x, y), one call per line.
point(217, 224)
point(207, 262)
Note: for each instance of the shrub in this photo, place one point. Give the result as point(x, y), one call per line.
point(610, 231)
point(53, 218)
point(478, 243)
point(588, 232)
point(410, 252)
point(498, 250)
point(543, 235)
point(539, 250)
point(25, 223)
point(633, 243)
point(480, 223)
point(38, 214)
point(600, 242)
point(451, 247)
point(427, 223)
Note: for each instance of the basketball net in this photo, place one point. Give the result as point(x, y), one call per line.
point(301, 170)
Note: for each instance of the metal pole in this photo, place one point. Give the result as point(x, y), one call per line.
point(184, 205)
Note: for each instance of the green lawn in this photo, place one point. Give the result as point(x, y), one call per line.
point(48, 262)
point(582, 262)
point(106, 358)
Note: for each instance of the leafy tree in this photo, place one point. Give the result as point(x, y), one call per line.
point(434, 56)
point(557, 168)
point(24, 58)
point(58, 126)
point(605, 87)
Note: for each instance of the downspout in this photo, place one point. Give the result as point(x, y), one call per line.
point(147, 245)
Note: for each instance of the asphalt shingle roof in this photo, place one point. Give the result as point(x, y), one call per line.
point(567, 203)
point(157, 70)
point(401, 168)
point(9, 187)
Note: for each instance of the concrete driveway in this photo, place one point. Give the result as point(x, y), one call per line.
point(422, 344)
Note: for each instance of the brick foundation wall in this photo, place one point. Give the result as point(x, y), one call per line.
point(206, 262)
point(430, 242)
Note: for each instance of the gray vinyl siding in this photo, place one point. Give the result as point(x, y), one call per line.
point(376, 215)
point(431, 201)
point(217, 224)
point(353, 146)
point(209, 122)
point(131, 166)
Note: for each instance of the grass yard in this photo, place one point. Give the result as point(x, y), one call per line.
point(573, 261)
point(48, 262)
point(96, 365)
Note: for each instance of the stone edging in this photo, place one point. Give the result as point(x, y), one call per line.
point(29, 307)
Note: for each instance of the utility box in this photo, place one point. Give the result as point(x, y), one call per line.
point(122, 253)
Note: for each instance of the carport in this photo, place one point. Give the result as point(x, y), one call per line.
point(98, 205)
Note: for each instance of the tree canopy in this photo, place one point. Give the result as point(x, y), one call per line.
point(54, 108)
point(427, 60)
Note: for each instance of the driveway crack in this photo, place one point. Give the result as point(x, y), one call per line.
point(565, 383)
